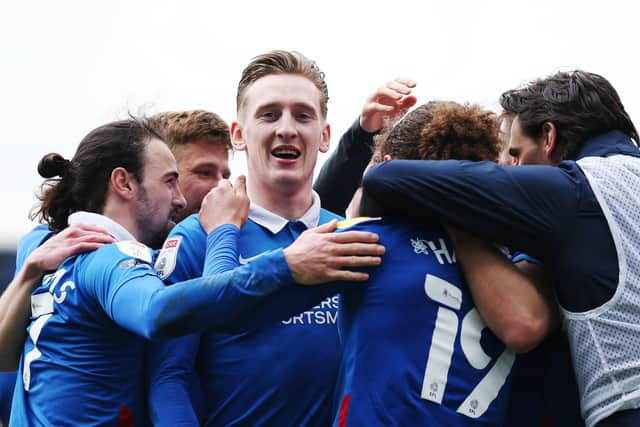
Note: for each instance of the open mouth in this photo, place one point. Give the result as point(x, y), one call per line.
point(285, 153)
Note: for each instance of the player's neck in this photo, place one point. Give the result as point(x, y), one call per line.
point(288, 202)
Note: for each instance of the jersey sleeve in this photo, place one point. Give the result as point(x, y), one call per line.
point(223, 241)
point(143, 305)
point(521, 207)
point(341, 173)
point(174, 393)
point(182, 256)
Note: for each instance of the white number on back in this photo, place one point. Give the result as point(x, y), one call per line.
point(442, 345)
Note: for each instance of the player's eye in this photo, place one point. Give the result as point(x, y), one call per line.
point(205, 172)
point(269, 115)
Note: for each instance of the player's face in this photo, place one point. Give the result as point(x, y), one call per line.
point(282, 130)
point(505, 134)
point(523, 149)
point(159, 199)
point(201, 165)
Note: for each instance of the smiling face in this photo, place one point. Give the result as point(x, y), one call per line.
point(281, 128)
point(201, 164)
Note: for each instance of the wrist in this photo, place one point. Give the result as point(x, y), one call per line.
point(30, 273)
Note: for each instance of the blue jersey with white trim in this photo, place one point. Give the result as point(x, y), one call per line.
point(28, 243)
point(280, 374)
point(78, 364)
point(416, 351)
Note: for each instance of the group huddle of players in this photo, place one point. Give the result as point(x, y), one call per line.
point(277, 312)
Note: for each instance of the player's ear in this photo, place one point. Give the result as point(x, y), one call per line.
point(549, 142)
point(237, 137)
point(326, 137)
point(122, 183)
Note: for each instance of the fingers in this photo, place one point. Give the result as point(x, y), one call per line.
point(240, 186)
point(377, 107)
point(388, 93)
point(82, 247)
point(402, 84)
point(224, 185)
point(358, 249)
point(354, 237)
point(328, 227)
point(84, 227)
point(349, 276)
point(394, 89)
point(358, 261)
point(407, 102)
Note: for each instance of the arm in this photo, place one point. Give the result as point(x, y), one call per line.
point(516, 302)
point(173, 382)
point(15, 302)
point(341, 173)
point(318, 255)
point(143, 305)
point(146, 307)
point(525, 207)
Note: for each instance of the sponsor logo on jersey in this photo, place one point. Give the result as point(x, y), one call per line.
point(41, 304)
point(166, 262)
point(242, 260)
point(325, 313)
point(135, 249)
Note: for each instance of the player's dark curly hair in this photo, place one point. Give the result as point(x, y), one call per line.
point(81, 184)
point(442, 130)
point(580, 105)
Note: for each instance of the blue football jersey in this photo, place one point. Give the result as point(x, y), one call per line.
point(30, 242)
point(78, 364)
point(282, 373)
point(7, 382)
point(27, 244)
point(416, 351)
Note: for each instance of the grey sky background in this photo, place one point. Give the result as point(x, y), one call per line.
point(69, 66)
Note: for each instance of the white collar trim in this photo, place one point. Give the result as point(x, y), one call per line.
point(117, 231)
point(275, 223)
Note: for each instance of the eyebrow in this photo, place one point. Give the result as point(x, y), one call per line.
point(299, 104)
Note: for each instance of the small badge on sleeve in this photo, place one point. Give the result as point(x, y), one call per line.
point(166, 262)
point(135, 249)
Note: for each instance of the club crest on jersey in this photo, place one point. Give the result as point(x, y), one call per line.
point(419, 246)
point(135, 249)
point(166, 262)
point(436, 247)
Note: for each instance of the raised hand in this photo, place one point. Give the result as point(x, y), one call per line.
point(391, 100)
point(225, 204)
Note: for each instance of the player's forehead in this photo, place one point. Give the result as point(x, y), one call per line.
point(516, 135)
point(158, 159)
point(282, 90)
point(201, 150)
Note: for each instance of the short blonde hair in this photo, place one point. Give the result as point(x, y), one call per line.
point(181, 127)
point(282, 62)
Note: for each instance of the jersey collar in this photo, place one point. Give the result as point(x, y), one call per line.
point(608, 144)
point(117, 231)
point(275, 223)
